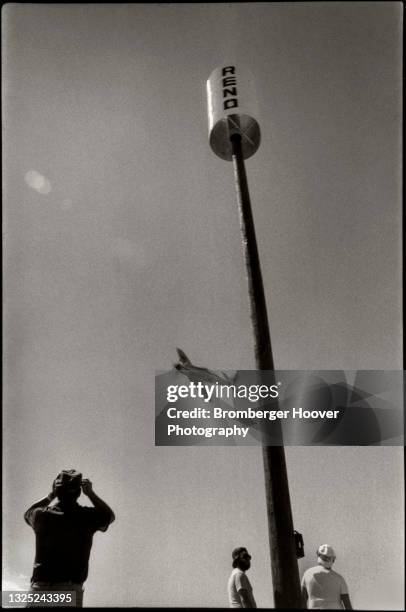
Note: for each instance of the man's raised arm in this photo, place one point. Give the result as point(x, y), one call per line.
point(97, 502)
point(41, 503)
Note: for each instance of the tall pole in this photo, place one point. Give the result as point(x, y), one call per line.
point(285, 573)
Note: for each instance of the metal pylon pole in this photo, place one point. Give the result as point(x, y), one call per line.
point(285, 572)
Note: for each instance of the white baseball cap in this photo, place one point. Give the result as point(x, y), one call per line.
point(327, 550)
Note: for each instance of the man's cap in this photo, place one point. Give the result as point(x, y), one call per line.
point(69, 480)
point(327, 550)
point(237, 552)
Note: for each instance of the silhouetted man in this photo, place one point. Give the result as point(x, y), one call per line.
point(64, 534)
point(322, 587)
point(240, 593)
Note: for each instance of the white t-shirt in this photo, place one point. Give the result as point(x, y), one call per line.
point(237, 581)
point(324, 588)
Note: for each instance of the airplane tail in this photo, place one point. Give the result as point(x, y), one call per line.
point(183, 358)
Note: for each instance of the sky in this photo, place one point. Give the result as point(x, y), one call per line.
point(121, 242)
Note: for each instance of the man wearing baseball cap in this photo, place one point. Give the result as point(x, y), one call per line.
point(239, 588)
point(64, 535)
point(322, 587)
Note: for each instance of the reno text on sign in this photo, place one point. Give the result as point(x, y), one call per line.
point(229, 88)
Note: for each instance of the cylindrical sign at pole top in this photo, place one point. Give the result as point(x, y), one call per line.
point(232, 108)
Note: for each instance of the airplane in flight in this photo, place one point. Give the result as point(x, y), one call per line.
point(198, 373)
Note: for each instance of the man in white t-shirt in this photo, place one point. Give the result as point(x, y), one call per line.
point(239, 588)
point(322, 587)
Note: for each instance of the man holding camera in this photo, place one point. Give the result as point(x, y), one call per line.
point(64, 534)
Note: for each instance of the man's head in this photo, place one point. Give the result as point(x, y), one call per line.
point(326, 556)
point(67, 486)
point(241, 558)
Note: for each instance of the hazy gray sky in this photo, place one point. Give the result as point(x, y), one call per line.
point(121, 242)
